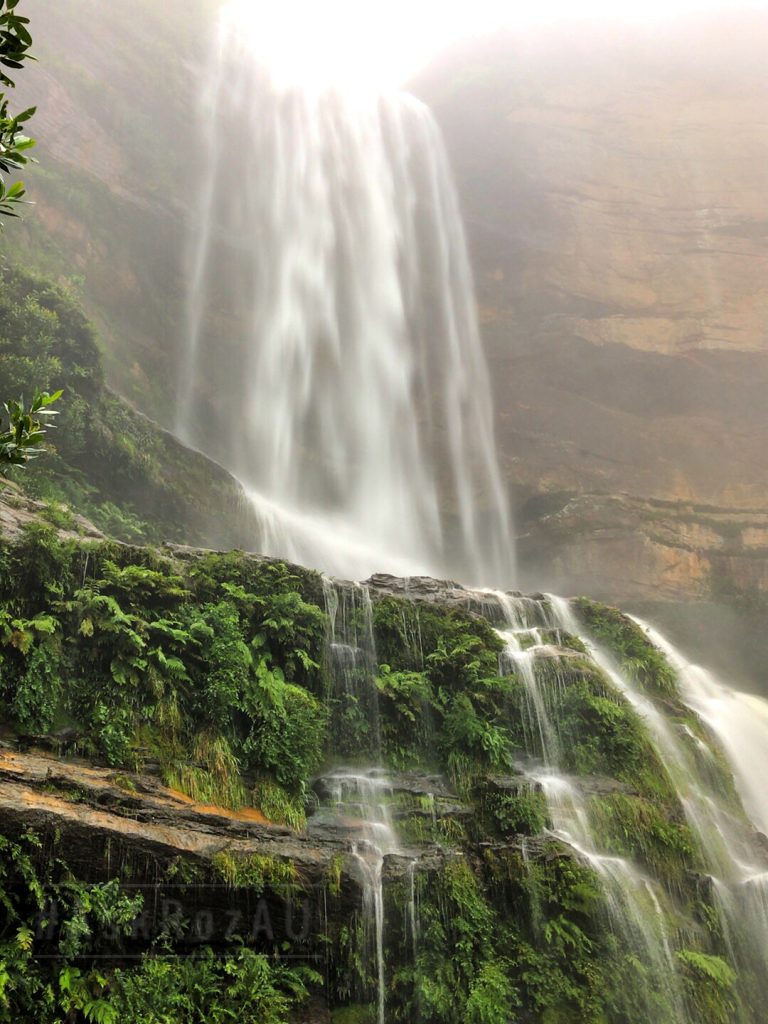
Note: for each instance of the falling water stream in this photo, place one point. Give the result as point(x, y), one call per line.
point(332, 354)
point(633, 902)
point(735, 854)
point(362, 796)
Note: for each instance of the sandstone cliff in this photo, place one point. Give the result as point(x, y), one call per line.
point(615, 188)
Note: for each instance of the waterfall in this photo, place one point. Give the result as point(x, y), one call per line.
point(362, 796)
point(332, 355)
point(352, 664)
point(333, 364)
point(735, 854)
point(632, 902)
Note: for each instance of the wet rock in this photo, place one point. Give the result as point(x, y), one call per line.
point(511, 783)
point(760, 841)
point(413, 783)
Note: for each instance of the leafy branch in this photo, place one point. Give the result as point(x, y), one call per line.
point(23, 440)
point(15, 42)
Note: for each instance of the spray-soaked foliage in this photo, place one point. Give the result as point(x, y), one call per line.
point(214, 670)
point(15, 42)
point(105, 460)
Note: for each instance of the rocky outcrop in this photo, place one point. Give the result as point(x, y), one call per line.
point(634, 550)
point(93, 809)
point(101, 817)
point(18, 511)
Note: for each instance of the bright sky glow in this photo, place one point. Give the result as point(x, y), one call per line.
point(382, 43)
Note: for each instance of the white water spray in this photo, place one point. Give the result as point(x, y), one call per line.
point(333, 361)
point(362, 795)
point(632, 903)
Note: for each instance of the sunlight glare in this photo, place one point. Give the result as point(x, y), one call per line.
point(370, 43)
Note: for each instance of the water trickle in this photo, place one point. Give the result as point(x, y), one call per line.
point(332, 336)
point(412, 910)
point(735, 856)
point(361, 796)
point(632, 904)
point(352, 662)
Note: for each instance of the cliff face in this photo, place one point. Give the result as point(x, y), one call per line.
point(616, 194)
point(616, 197)
point(116, 88)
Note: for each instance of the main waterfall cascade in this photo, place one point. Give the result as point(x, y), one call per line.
point(333, 360)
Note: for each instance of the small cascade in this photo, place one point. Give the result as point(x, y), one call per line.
point(526, 621)
point(739, 722)
point(351, 657)
point(360, 798)
point(632, 904)
point(736, 857)
point(725, 837)
point(412, 910)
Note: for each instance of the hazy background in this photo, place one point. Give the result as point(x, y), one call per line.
point(614, 181)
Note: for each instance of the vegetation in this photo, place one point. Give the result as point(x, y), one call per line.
point(147, 657)
point(15, 42)
point(215, 668)
point(107, 462)
point(21, 442)
point(633, 651)
point(72, 923)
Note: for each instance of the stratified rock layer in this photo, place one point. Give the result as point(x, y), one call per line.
point(615, 186)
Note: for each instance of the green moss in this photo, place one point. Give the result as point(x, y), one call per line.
point(258, 872)
point(636, 655)
point(657, 836)
point(119, 469)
